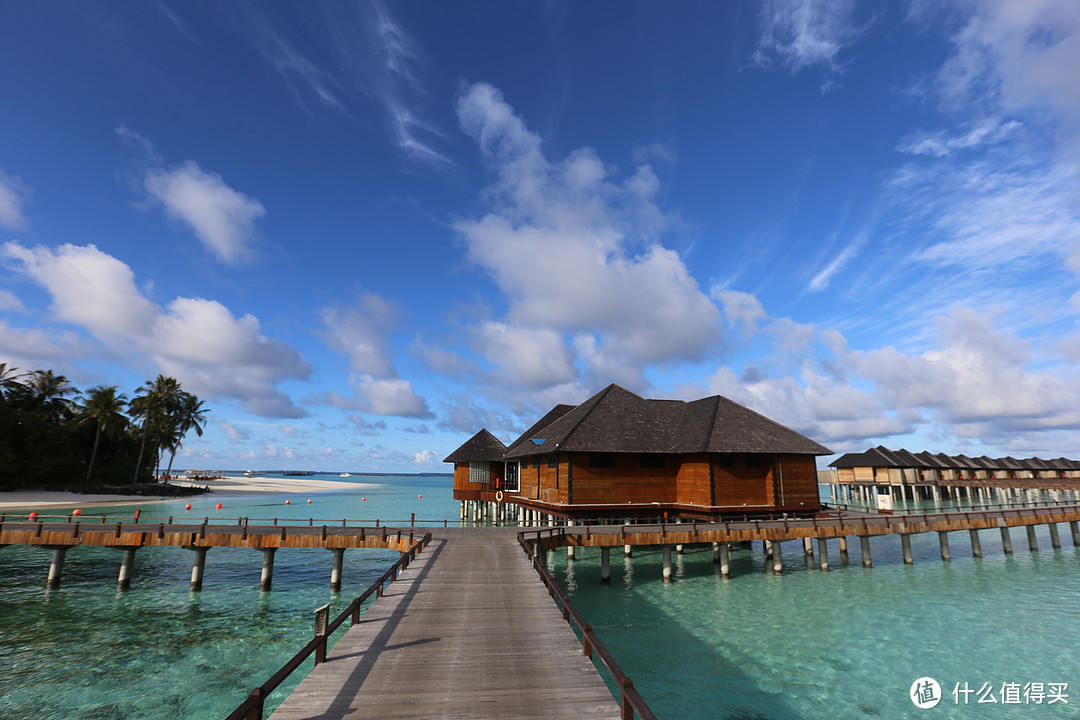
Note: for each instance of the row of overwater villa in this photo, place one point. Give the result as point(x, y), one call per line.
point(904, 475)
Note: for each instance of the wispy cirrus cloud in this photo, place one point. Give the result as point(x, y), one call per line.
point(798, 34)
point(351, 52)
point(13, 196)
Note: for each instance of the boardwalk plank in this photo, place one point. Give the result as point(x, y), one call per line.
point(467, 631)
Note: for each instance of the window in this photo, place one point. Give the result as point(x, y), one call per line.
point(725, 460)
point(753, 460)
point(479, 472)
point(651, 461)
point(536, 462)
point(601, 460)
point(553, 460)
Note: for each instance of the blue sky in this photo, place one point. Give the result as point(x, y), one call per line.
point(362, 231)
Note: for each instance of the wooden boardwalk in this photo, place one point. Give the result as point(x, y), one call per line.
point(467, 631)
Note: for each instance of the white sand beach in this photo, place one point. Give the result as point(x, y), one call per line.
point(228, 485)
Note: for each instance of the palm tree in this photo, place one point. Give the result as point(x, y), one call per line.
point(9, 380)
point(154, 402)
point(191, 415)
point(47, 394)
point(103, 407)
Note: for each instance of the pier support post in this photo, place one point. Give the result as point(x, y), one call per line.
point(943, 541)
point(123, 582)
point(605, 565)
point(667, 563)
point(1055, 539)
point(198, 565)
point(843, 546)
point(1074, 528)
point(716, 553)
point(56, 567)
point(335, 571)
point(1033, 542)
point(864, 541)
point(1006, 540)
point(767, 545)
point(976, 547)
point(808, 546)
point(777, 558)
point(571, 553)
point(267, 578)
point(823, 553)
point(905, 545)
point(725, 560)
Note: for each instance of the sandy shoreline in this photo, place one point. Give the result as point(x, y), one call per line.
point(228, 485)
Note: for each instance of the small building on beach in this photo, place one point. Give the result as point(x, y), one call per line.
point(621, 455)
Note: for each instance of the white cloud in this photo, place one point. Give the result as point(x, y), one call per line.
point(362, 426)
point(1019, 55)
point(10, 303)
point(802, 33)
point(213, 353)
point(222, 218)
point(742, 309)
point(88, 287)
point(233, 433)
point(532, 357)
point(13, 194)
point(359, 332)
point(382, 396)
point(28, 347)
point(425, 457)
point(940, 144)
point(575, 251)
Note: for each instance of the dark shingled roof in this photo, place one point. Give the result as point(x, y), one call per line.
point(483, 446)
point(617, 420)
point(552, 415)
point(883, 458)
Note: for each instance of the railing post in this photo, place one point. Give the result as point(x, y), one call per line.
point(322, 617)
point(586, 646)
point(626, 709)
point(256, 711)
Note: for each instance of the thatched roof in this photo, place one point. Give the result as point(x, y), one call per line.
point(483, 446)
point(617, 420)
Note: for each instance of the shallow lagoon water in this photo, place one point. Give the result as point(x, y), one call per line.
point(838, 645)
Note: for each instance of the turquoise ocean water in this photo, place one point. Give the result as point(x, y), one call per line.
point(844, 644)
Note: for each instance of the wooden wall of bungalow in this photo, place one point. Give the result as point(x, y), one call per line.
point(738, 480)
point(466, 489)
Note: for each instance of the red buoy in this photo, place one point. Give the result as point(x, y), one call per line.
point(188, 506)
point(218, 506)
point(76, 511)
point(288, 502)
point(363, 499)
point(32, 516)
point(308, 502)
point(420, 496)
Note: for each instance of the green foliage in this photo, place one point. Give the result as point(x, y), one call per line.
point(47, 439)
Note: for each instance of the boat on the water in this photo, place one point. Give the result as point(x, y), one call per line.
point(346, 475)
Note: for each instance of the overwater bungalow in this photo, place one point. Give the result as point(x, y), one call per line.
point(621, 455)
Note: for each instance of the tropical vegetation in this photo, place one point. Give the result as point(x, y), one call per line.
point(54, 435)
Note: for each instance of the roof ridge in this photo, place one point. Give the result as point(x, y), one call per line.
point(599, 397)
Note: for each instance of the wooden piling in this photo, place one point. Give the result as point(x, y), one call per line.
point(123, 582)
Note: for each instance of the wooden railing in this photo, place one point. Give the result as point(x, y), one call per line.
point(630, 700)
point(252, 707)
point(986, 507)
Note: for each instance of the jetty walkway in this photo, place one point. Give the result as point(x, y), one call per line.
point(467, 631)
